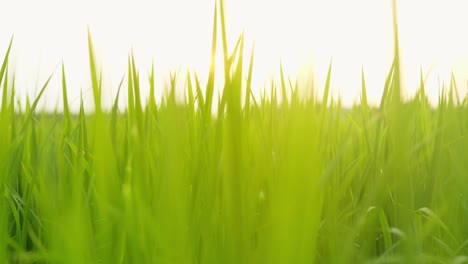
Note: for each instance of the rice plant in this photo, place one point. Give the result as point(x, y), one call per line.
point(281, 178)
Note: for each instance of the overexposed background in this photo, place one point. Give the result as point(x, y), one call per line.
point(303, 34)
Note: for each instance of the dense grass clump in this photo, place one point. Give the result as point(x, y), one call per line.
point(276, 179)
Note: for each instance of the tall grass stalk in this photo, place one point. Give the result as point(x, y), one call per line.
point(275, 179)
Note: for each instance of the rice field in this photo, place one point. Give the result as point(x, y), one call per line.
point(281, 178)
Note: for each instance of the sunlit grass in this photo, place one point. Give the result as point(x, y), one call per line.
point(277, 179)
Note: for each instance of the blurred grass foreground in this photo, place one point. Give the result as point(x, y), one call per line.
point(278, 179)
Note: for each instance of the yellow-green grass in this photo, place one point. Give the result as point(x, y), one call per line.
point(277, 179)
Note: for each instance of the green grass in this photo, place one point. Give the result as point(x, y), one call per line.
point(276, 179)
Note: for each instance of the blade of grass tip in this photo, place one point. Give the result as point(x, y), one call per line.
point(211, 78)
point(450, 95)
point(248, 89)
point(442, 91)
point(83, 144)
point(83, 138)
point(326, 91)
point(263, 96)
point(66, 109)
point(5, 60)
point(222, 100)
point(293, 90)
point(5, 93)
point(20, 109)
point(237, 83)
point(236, 48)
point(309, 88)
point(137, 96)
point(136, 87)
point(152, 99)
point(190, 97)
point(200, 99)
point(172, 96)
point(12, 105)
point(224, 41)
point(363, 91)
point(31, 111)
point(254, 100)
point(273, 94)
point(421, 92)
point(457, 96)
point(283, 87)
point(28, 104)
point(428, 72)
point(94, 74)
point(100, 86)
point(5, 117)
point(423, 102)
point(396, 87)
point(291, 86)
point(228, 86)
point(365, 109)
point(221, 107)
point(296, 89)
point(115, 107)
point(130, 96)
point(384, 99)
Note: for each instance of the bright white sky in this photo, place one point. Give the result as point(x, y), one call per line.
point(300, 33)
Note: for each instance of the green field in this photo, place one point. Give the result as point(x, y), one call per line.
point(282, 178)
